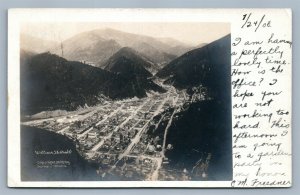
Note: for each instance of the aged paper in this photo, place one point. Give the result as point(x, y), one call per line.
point(149, 98)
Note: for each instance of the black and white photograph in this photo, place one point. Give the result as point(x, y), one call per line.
point(149, 98)
point(125, 101)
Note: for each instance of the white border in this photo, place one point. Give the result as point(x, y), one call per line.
point(17, 16)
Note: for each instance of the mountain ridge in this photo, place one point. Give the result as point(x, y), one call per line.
point(50, 82)
point(83, 46)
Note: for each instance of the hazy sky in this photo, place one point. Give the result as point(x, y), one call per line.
point(191, 33)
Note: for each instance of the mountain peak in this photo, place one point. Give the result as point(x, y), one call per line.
point(128, 61)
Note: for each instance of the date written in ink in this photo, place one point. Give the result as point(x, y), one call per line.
point(255, 23)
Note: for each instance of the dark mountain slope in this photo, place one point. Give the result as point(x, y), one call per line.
point(208, 65)
point(50, 82)
point(201, 134)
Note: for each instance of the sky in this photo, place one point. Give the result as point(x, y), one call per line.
point(186, 32)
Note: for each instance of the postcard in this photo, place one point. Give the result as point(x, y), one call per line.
point(149, 98)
